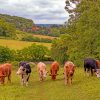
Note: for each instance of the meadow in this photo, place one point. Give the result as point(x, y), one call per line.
point(44, 36)
point(83, 87)
point(15, 44)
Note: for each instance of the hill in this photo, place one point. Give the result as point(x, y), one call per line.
point(21, 23)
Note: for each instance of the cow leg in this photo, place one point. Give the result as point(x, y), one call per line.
point(65, 79)
point(2, 80)
point(92, 71)
point(88, 72)
point(71, 80)
point(84, 71)
point(9, 78)
point(27, 79)
point(22, 80)
point(41, 78)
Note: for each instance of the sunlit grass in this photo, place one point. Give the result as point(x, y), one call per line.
point(14, 44)
point(83, 88)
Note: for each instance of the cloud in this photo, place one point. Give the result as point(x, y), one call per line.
point(40, 11)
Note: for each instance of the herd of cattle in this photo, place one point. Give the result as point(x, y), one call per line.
point(90, 66)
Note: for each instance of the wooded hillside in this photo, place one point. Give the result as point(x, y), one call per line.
point(21, 23)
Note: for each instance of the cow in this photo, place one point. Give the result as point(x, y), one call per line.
point(69, 69)
point(41, 68)
point(90, 66)
point(98, 69)
point(24, 71)
point(5, 71)
point(53, 70)
point(98, 64)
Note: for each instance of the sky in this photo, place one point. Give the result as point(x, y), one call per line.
point(40, 11)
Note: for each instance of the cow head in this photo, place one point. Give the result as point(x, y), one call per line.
point(21, 70)
point(43, 73)
point(98, 73)
point(53, 74)
point(71, 70)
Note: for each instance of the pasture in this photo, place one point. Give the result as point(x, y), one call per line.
point(83, 88)
point(15, 44)
point(44, 36)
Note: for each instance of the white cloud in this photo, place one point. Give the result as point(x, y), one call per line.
point(41, 11)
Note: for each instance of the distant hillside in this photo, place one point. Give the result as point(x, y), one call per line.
point(20, 23)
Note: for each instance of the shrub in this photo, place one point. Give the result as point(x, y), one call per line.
point(31, 53)
point(5, 54)
point(35, 39)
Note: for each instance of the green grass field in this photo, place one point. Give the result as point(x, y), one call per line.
point(83, 88)
point(14, 44)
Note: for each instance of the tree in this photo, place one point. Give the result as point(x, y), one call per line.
point(84, 33)
point(59, 49)
point(6, 29)
point(70, 7)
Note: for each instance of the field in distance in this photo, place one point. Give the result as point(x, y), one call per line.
point(44, 36)
point(15, 44)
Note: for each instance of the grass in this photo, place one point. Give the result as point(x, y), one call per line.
point(44, 36)
point(83, 88)
point(15, 44)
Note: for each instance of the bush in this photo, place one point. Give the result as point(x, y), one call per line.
point(35, 39)
point(5, 54)
point(31, 53)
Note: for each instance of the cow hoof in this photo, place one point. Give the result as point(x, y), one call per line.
point(26, 84)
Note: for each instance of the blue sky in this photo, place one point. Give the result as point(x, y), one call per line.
point(40, 11)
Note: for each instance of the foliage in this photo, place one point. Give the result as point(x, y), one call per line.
point(22, 24)
point(58, 51)
point(31, 38)
point(55, 32)
point(5, 54)
point(7, 29)
point(31, 53)
point(84, 33)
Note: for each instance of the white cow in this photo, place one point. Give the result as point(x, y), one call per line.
point(41, 68)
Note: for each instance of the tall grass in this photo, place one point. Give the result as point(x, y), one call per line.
point(83, 88)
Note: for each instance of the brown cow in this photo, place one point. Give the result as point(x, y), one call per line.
point(41, 68)
point(98, 68)
point(5, 71)
point(68, 72)
point(53, 70)
point(98, 64)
